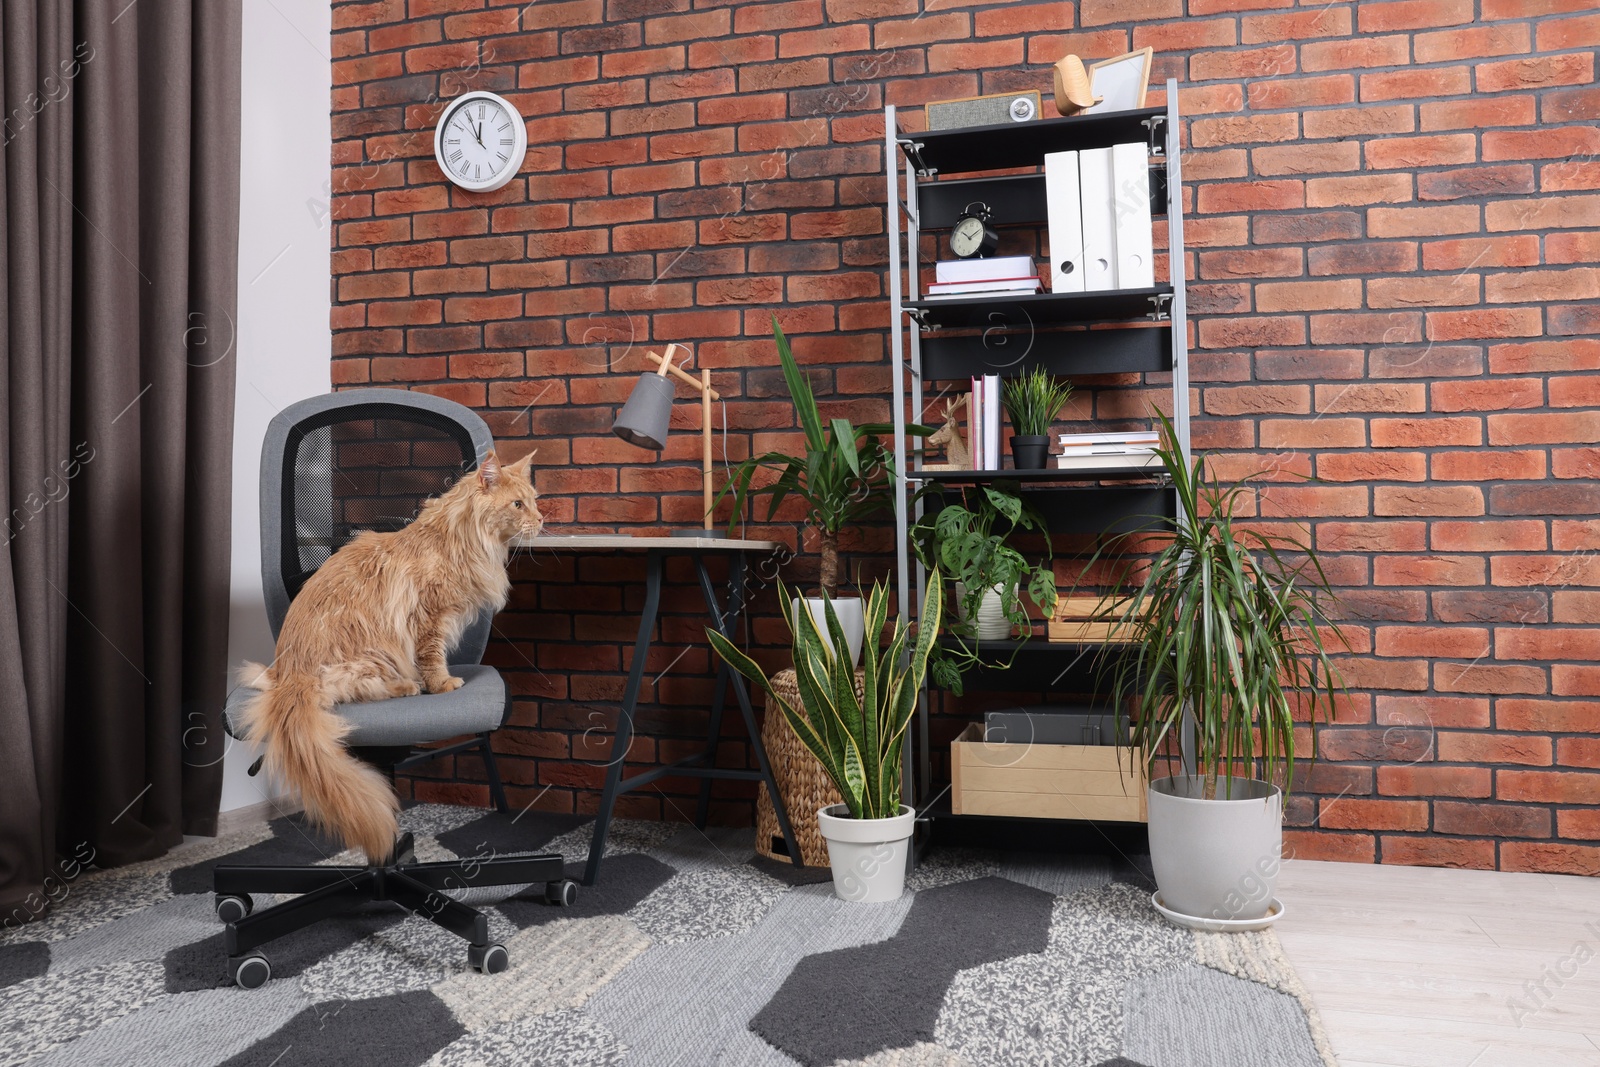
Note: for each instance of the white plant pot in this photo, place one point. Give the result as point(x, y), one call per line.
point(852, 617)
point(991, 623)
point(1216, 860)
point(868, 856)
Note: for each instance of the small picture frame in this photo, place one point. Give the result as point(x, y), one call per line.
point(1120, 83)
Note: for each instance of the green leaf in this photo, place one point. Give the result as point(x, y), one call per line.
point(805, 402)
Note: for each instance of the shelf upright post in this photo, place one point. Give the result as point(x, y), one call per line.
point(924, 761)
point(897, 355)
point(1175, 254)
point(897, 359)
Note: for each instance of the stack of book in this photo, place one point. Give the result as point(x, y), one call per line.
point(983, 423)
point(1125, 450)
point(996, 276)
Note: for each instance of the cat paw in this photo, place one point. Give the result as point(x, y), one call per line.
point(448, 685)
point(404, 689)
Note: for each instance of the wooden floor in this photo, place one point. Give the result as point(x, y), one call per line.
point(1424, 967)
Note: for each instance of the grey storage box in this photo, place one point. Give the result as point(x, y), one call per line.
point(1052, 726)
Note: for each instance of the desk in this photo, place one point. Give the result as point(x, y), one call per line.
point(702, 765)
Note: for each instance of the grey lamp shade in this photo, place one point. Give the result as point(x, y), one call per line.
point(643, 419)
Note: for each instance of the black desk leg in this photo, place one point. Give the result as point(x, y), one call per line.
point(739, 690)
point(719, 698)
point(623, 739)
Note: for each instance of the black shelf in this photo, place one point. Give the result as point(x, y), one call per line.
point(1051, 475)
point(1025, 144)
point(1036, 643)
point(1038, 309)
point(1070, 352)
point(1019, 199)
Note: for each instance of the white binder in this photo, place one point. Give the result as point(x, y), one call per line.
point(1066, 222)
point(1095, 185)
point(1130, 169)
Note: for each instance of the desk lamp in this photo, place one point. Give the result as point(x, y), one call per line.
point(643, 419)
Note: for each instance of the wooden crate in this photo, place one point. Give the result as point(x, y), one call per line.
point(1045, 781)
point(1074, 621)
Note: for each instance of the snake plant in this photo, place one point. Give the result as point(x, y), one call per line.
point(857, 739)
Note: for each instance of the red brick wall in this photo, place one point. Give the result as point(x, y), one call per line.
point(1394, 248)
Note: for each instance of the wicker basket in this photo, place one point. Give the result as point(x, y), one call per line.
point(806, 786)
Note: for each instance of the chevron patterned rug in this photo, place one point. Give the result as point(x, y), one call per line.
point(691, 951)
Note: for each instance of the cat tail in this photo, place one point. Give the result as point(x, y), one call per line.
point(305, 748)
point(253, 675)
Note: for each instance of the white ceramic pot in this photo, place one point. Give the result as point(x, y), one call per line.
point(1216, 859)
point(852, 617)
point(868, 856)
point(991, 623)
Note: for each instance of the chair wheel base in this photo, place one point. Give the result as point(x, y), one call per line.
point(488, 959)
point(562, 893)
point(249, 972)
point(233, 907)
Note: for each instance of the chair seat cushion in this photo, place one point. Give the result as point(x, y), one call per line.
point(477, 706)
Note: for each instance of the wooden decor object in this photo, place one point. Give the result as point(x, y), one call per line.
point(957, 454)
point(1072, 86)
point(1098, 782)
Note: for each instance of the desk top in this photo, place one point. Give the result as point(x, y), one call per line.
point(602, 542)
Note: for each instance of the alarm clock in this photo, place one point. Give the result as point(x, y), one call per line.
point(972, 236)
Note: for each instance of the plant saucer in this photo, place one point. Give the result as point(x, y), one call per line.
point(1219, 926)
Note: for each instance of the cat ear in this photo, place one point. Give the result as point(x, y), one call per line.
point(524, 463)
point(489, 470)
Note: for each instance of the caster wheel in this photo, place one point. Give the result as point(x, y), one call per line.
point(489, 959)
point(562, 894)
point(230, 909)
point(251, 972)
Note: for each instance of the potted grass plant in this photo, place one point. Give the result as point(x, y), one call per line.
point(844, 476)
point(1226, 625)
point(857, 739)
point(1033, 399)
point(969, 541)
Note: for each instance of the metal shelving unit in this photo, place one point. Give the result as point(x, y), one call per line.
point(932, 340)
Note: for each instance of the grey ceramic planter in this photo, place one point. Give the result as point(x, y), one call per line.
point(1216, 859)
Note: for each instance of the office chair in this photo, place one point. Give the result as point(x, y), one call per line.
point(331, 467)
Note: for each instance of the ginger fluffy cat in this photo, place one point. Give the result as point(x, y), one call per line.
point(375, 621)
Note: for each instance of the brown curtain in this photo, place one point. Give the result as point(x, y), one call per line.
point(118, 237)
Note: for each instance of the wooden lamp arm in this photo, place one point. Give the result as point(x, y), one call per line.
point(665, 366)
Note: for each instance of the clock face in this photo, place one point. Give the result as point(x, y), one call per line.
point(967, 237)
point(480, 141)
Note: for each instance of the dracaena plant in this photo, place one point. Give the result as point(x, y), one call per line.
point(857, 739)
point(845, 475)
point(1226, 623)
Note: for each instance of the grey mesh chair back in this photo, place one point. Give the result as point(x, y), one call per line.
point(333, 466)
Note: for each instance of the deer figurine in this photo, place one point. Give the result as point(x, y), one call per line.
point(957, 456)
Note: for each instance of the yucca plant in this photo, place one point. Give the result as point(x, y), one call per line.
point(845, 475)
point(856, 739)
point(1226, 624)
point(1033, 399)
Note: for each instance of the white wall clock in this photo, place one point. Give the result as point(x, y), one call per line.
point(480, 141)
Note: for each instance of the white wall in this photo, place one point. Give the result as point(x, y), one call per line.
point(283, 340)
